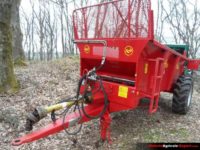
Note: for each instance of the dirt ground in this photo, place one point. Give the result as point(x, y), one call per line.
point(44, 83)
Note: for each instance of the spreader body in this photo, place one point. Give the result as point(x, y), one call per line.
point(136, 65)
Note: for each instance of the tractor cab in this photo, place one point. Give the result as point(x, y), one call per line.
point(180, 48)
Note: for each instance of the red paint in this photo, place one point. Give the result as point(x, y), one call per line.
point(152, 66)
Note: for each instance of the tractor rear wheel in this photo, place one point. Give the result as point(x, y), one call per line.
point(182, 94)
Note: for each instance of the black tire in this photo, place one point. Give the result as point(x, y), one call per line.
point(182, 94)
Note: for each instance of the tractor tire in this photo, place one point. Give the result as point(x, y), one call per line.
point(182, 94)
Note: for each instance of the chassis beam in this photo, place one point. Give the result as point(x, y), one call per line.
point(58, 125)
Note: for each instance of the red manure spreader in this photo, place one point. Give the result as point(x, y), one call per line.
point(121, 64)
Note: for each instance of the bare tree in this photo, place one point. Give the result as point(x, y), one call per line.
point(61, 3)
point(183, 19)
point(18, 52)
point(49, 27)
point(50, 35)
point(41, 20)
point(7, 78)
point(160, 22)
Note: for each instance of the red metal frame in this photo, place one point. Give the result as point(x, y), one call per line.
point(123, 19)
point(134, 57)
point(58, 125)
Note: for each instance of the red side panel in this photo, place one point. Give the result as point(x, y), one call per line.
point(121, 57)
point(193, 64)
point(170, 66)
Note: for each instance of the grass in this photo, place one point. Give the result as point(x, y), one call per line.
point(181, 132)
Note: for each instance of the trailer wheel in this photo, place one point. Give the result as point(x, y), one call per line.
point(182, 94)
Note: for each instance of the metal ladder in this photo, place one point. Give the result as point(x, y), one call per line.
point(157, 80)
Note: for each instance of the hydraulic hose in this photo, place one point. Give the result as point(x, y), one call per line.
point(84, 77)
point(64, 116)
point(103, 54)
point(105, 104)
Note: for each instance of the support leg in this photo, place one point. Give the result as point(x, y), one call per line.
point(153, 104)
point(105, 122)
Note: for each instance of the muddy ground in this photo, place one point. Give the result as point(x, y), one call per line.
point(44, 83)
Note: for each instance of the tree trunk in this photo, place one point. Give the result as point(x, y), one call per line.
point(8, 81)
point(18, 52)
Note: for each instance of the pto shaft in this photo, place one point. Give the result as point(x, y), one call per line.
point(42, 112)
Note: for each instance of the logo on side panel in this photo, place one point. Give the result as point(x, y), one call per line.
point(87, 49)
point(128, 50)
